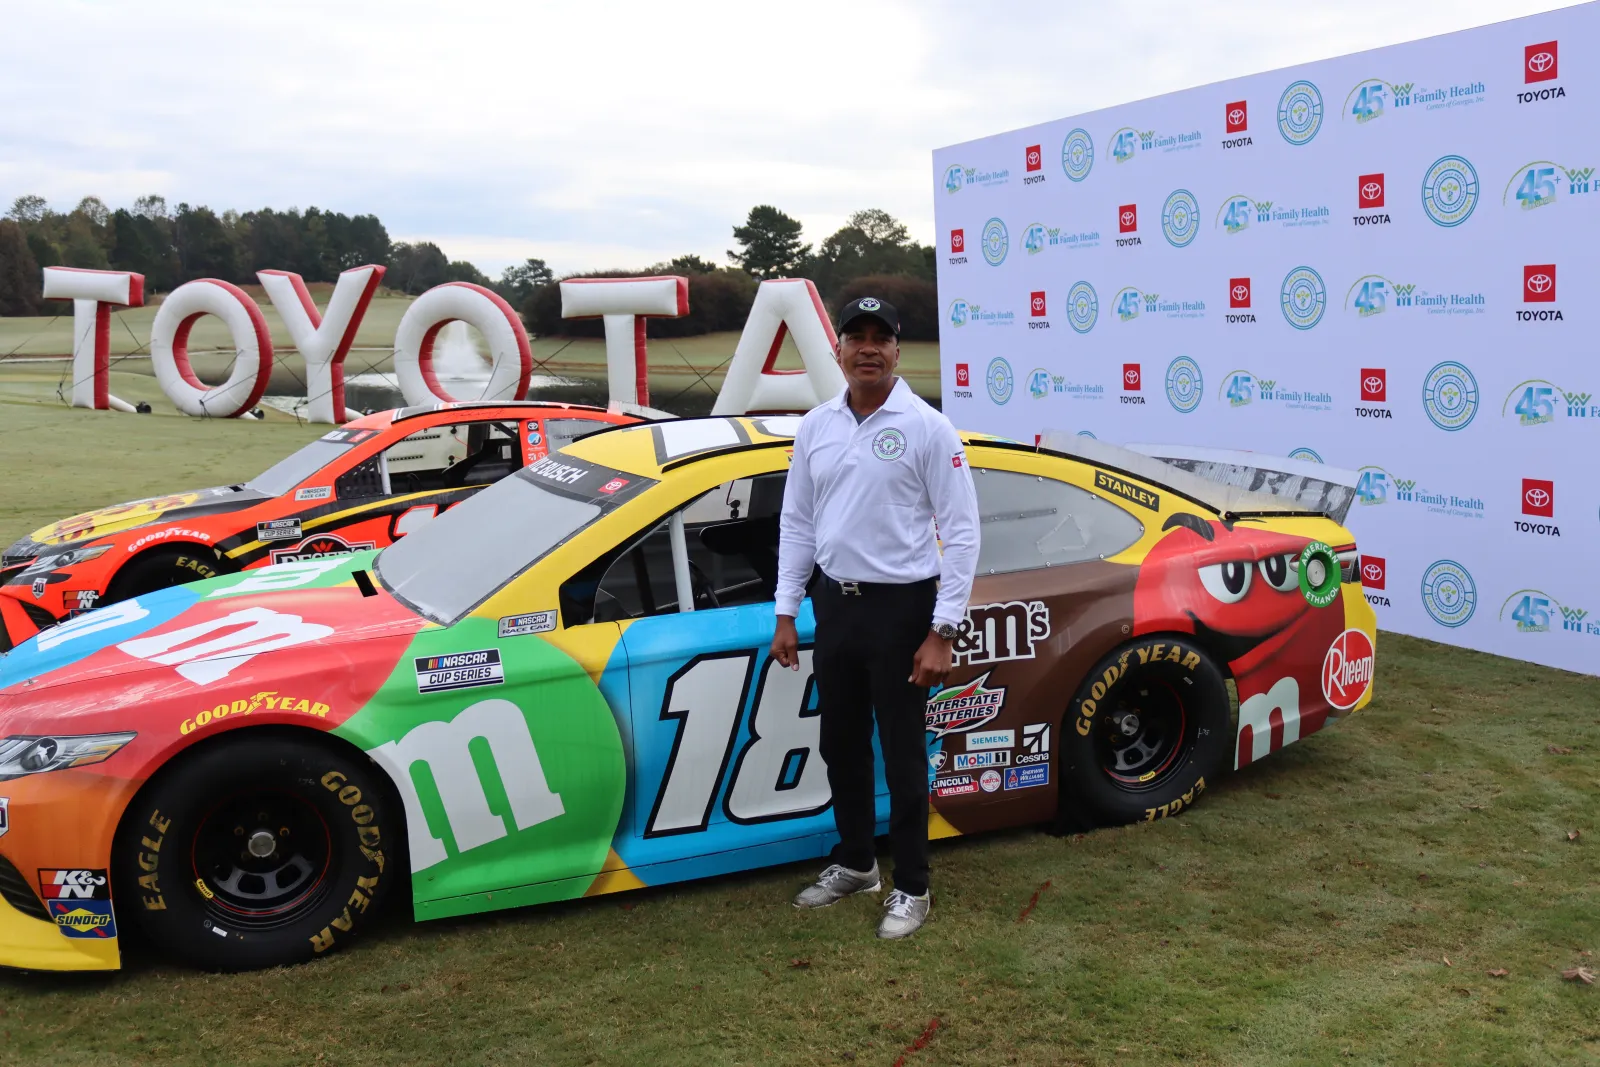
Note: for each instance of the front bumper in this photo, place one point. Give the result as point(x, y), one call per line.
point(35, 944)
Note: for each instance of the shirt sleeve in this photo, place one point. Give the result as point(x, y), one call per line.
point(955, 509)
point(797, 534)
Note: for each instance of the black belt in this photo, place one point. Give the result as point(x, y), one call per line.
point(871, 588)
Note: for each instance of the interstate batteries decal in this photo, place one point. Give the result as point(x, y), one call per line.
point(459, 670)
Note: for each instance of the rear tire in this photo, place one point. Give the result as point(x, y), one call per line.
point(161, 569)
point(258, 851)
point(1147, 732)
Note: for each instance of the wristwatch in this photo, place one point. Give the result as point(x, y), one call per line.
point(945, 630)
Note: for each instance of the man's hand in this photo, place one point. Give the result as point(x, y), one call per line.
point(931, 665)
point(786, 644)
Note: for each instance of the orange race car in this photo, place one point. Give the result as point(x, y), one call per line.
point(361, 486)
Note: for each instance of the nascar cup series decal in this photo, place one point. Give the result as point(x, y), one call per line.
point(278, 530)
point(459, 670)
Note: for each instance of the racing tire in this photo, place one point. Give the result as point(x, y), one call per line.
point(160, 569)
point(260, 850)
point(1146, 733)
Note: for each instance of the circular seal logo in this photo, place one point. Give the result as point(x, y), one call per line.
point(889, 445)
point(1448, 593)
point(1185, 386)
point(996, 242)
point(1180, 218)
point(1083, 307)
point(1320, 575)
point(1450, 395)
point(989, 781)
point(1077, 155)
point(1347, 670)
point(954, 178)
point(1304, 298)
point(999, 380)
point(1309, 455)
point(1300, 113)
point(960, 312)
point(1450, 191)
point(868, 303)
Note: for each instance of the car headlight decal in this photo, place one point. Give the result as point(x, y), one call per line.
point(36, 754)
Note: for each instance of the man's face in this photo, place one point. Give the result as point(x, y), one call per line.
point(868, 353)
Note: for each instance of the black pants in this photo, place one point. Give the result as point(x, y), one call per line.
point(865, 647)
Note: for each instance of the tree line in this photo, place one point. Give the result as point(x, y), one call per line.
point(170, 245)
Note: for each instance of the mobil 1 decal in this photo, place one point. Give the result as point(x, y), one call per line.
point(510, 768)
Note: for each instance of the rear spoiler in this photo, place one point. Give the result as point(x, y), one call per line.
point(1299, 485)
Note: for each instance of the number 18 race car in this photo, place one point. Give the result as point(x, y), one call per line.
point(361, 486)
point(562, 688)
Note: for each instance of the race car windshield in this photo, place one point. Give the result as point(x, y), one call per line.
point(464, 556)
point(295, 468)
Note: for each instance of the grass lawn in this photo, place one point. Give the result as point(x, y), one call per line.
point(685, 373)
point(1345, 901)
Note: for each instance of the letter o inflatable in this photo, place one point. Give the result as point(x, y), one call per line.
point(477, 307)
point(169, 348)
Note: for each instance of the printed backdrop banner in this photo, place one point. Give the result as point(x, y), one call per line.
point(1385, 262)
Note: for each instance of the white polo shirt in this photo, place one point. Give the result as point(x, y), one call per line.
point(861, 498)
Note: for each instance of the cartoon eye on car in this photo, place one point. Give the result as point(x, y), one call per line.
point(562, 688)
point(361, 486)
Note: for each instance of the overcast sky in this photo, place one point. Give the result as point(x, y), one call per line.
point(602, 134)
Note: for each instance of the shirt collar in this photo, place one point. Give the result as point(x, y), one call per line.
point(899, 397)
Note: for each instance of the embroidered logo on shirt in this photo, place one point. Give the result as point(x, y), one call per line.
point(890, 444)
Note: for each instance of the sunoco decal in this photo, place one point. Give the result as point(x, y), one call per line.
point(459, 670)
point(83, 918)
point(964, 707)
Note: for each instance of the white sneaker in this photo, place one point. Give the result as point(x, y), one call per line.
point(836, 883)
point(903, 914)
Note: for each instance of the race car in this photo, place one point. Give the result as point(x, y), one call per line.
point(361, 486)
point(562, 688)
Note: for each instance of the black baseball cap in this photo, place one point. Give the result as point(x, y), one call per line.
point(871, 307)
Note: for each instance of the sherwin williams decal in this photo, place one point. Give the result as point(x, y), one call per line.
point(1028, 777)
point(515, 792)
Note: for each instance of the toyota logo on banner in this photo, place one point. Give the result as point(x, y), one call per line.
point(1238, 292)
point(1238, 117)
point(1128, 218)
point(1130, 377)
point(1036, 302)
point(1374, 385)
point(1370, 191)
point(1539, 497)
point(1035, 158)
point(1539, 283)
point(1373, 571)
point(1540, 60)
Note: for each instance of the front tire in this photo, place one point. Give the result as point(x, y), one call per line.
point(258, 851)
point(1146, 733)
point(161, 569)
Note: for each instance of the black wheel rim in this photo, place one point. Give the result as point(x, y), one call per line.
point(1140, 737)
point(262, 859)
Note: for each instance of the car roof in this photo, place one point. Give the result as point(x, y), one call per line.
point(652, 449)
point(516, 408)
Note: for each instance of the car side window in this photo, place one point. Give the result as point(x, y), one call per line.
point(1027, 521)
point(730, 537)
point(451, 457)
point(562, 432)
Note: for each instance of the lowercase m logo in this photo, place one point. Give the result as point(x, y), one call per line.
point(1369, 191)
point(1539, 62)
point(1237, 115)
point(958, 241)
point(1374, 385)
point(1238, 292)
point(1539, 497)
point(1539, 283)
point(1036, 304)
point(1128, 218)
point(1035, 158)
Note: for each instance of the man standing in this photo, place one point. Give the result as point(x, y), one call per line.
point(872, 469)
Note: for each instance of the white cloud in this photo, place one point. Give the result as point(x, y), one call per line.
point(603, 133)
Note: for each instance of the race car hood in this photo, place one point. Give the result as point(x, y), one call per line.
point(174, 507)
point(284, 619)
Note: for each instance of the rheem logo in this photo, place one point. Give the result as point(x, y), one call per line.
point(1131, 382)
point(1347, 670)
point(1369, 196)
point(1128, 223)
point(958, 247)
point(1239, 302)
